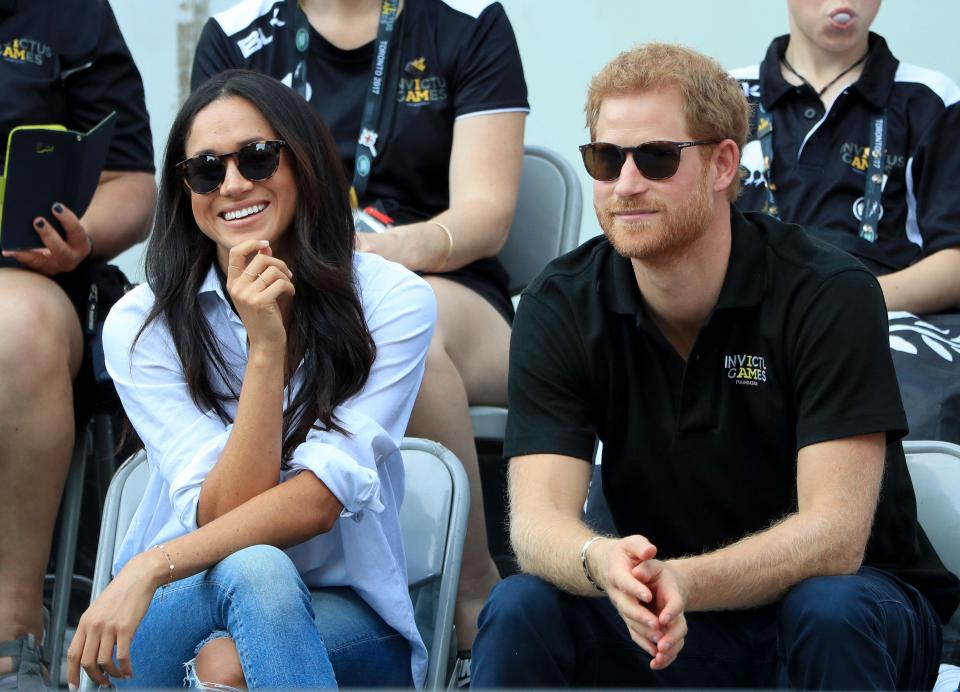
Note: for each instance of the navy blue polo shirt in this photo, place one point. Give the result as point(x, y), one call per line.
point(65, 62)
point(820, 156)
point(700, 453)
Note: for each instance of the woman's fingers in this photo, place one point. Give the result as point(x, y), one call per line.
point(254, 284)
point(258, 267)
point(273, 292)
point(105, 655)
point(241, 255)
point(73, 657)
point(123, 655)
point(88, 659)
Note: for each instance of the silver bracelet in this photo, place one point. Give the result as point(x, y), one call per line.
point(585, 565)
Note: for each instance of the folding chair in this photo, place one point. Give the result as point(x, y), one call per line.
point(95, 438)
point(546, 224)
point(935, 470)
point(433, 520)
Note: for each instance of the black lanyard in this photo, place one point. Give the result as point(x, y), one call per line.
point(382, 77)
point(873, 185)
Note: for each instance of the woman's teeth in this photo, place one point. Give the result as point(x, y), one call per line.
point(241, 213)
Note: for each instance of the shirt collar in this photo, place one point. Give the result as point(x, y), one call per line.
point(211, 283)
point(744, 284)
point(213, 289)
point(874, 84)
point(617, 285)
point(746, 280)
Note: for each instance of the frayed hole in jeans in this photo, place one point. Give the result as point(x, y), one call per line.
point(191, 680)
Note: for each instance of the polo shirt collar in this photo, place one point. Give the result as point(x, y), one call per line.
point(744, 284)
point(879, 73)
point(617, 285)
point(772, 84)
point(746, 280)
point(874, 84)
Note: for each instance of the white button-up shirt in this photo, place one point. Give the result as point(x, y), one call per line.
point(364, 470)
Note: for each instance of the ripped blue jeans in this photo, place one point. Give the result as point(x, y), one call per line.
point(257, 598)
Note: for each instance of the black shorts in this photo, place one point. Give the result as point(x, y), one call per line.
point(487, 278)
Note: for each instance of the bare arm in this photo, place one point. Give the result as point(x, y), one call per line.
point(931, 285)
point(838, 483)
point(547, 492)
point(485, 165)
point(250, 461)
point(120, 214)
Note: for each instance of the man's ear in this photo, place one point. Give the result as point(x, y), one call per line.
point(726, 164)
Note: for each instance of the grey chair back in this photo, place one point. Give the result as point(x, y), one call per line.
point(935, 470)
point(433, 521)
point(546, 223)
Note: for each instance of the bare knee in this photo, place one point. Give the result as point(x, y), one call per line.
point(218, 662)
point(41, 332)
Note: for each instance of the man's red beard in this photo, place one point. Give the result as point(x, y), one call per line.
point(670, 231)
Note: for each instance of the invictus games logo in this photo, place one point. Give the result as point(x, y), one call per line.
point(746, 369)
point(419, 88)
point(26, 51)
point(858, 158)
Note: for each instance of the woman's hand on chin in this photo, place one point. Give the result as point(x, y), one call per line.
point(112, 620)
point(260, 286)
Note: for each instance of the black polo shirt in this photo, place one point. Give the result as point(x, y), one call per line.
point(65, 62)
point(698, 454)
point(820, 157)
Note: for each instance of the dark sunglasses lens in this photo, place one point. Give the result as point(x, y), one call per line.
point(258, 161)
point(657, 160)
point(603, 161)
point(204, 173)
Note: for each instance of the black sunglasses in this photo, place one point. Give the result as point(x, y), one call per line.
point(656, 160)
point(256, 161)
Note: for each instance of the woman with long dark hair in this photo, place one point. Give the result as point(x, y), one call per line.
point(442, 161)
point(270, 372)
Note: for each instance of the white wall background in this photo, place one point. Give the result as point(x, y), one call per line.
point(562, 43)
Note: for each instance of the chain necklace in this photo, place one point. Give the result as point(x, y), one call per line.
point(829, 84)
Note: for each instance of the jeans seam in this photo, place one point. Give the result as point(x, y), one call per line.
point(239, 635)
point(364, 640)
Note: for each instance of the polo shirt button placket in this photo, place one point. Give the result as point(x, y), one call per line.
point(810, 113)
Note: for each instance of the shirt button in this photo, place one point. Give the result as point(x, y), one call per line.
point(810, 113)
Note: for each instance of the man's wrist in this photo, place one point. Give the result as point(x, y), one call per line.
point(683, 573)
point(592, 569)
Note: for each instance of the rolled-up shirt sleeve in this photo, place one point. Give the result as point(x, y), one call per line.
point(401, 321)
